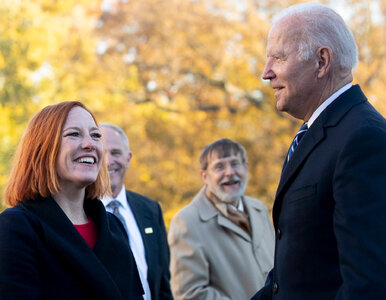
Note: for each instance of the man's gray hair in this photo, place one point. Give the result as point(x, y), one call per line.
point(322, 26)
point(123, 135)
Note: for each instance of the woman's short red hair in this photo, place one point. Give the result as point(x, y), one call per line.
point(33, 171)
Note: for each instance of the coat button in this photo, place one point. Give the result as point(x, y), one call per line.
point(275, 288)
point(278, 234)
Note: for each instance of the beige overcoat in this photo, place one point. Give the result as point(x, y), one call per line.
point(212, 258)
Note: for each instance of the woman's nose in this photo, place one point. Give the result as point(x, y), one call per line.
point(88, 143)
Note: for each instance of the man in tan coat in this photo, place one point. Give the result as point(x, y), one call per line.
point(222, 243)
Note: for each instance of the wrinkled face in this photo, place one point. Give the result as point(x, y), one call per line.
point(294, 80)
point(118, 158)
point(80, 154)
point(226, 177)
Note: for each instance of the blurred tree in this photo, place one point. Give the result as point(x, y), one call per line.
point(192, 70)
point(32, 38)
point(15, 87)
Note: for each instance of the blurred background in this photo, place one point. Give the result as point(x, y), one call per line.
point(174, 74)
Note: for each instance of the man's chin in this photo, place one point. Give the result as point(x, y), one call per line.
point(115, 187)
point(226, 198)
point(280, 106)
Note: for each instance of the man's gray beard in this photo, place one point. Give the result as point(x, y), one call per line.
point(225, 197)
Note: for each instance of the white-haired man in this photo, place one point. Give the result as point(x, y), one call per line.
point(141, 217)
point(330, 207)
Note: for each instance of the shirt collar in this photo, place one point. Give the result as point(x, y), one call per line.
point(240, 206)
point(326, 103)
point(121, 197)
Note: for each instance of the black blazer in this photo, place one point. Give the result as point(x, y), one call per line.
point(330, 209)
point(42, 255)
point(150, 222)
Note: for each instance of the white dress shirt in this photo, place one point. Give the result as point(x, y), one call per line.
point(326, 103)
point(240, 206)
point(135, 238)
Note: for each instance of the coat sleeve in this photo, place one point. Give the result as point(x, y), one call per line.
point(165, 292)
point(188, 265)
point(19, 276)
point(360, 214)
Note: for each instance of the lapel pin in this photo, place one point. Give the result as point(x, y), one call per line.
point(148, 230)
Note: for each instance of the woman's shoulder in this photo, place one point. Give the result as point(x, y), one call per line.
point(18, 225)
point(16, 213)
point(17, 216)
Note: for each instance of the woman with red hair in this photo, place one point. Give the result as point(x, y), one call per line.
point(56, 240)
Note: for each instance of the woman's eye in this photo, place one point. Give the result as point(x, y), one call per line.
point(74, 133)
point(96, 135)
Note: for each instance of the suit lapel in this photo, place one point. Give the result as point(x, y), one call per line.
point(224, 222)
point(68, 245)
point(145, 220)
point(312, 138)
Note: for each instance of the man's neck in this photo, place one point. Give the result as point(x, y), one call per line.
point(115, 191)
point(326, 87)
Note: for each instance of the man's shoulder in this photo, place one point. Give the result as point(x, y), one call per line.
point(189, 215)
point(189, 211)
point(361, 121)
point(256, 203)
point(133, 196)
point(353, 108)
point(186, 223)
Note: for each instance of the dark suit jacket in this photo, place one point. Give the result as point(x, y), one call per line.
point(150, 222)
point(42, 255)
point(330, 209)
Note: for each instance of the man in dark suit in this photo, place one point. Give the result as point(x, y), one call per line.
point(141, 216)
point(330, 207)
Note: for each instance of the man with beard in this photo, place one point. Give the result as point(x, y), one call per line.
point(222, 243)
point(140, 216)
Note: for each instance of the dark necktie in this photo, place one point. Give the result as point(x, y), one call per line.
point(302, 131)
point(240, 218)
point(114, 206)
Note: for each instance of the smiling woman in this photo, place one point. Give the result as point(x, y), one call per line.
point(56, 239)
point(80, 154)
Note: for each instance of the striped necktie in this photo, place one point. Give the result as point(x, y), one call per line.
point(114, 206)
point(302, 131)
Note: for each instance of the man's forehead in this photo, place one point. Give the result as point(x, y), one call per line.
point(216, 156)
point(110, 131)
point(110, 135)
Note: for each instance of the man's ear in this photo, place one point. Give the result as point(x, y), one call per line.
point(324, 56)
point(203, 175)
point(128, 160)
